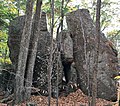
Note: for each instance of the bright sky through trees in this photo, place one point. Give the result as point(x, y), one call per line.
point(115, 24)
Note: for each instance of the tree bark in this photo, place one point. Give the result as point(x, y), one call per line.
point(50, 61)
point(20, 72)
point(59, 45)
point(94, 87)
point(62, 14)
point(32, 50)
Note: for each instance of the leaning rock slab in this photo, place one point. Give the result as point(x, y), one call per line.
point(82, 29)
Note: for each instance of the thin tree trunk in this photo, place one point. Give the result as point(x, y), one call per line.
point(88, 76)
point(94, 90)
point(62, 15)
point(50, 62)
point(58, 59)
point(59, 42)
point(20, 72)
point(18, 7)
point(33, 50)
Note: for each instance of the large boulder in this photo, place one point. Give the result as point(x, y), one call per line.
point(40, 75)
point(77, 67)
point(15, 31)
point(65, 45)
point(67, 56)
point(82, 31)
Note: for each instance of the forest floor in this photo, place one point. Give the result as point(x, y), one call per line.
point(73, 99)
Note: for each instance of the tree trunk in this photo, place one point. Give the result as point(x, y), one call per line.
point(59, 45)
point(32, 50)
point(50, 61)
point(20, 72)
point(94, 89)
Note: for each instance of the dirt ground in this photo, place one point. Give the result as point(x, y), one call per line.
point(74, 99)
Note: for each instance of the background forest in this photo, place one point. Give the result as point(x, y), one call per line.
point(105, 15)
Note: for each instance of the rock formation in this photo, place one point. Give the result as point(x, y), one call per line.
point(72, 62)
point(82, 32)
point(40, 78)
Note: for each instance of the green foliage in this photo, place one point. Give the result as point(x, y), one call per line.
point(46, 7)
point(8, 11)
point(4, 51)
point(58, 5)
point(114, 34)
